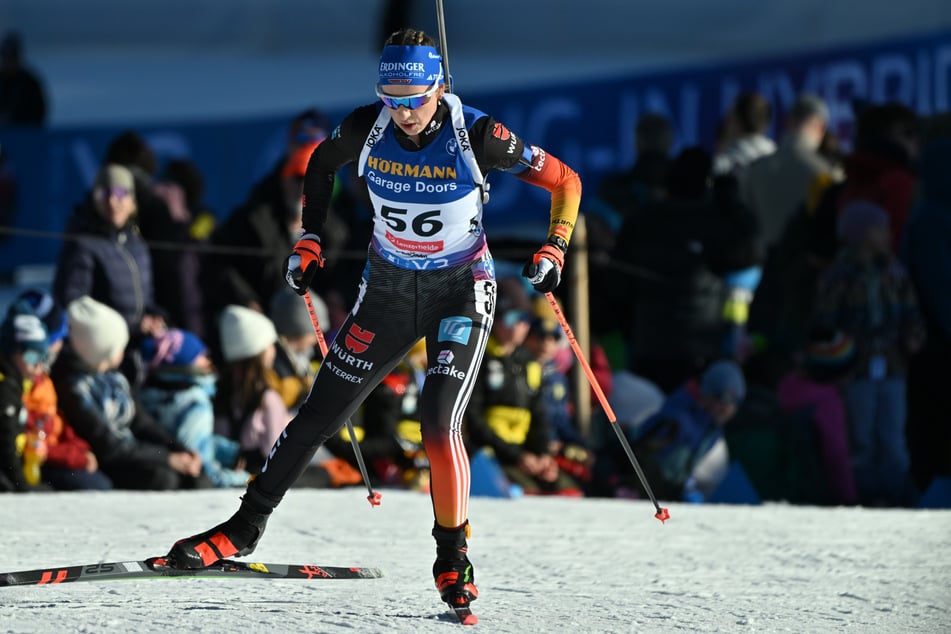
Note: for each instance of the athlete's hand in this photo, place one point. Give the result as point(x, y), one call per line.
point(544, 269)
point(302, 263)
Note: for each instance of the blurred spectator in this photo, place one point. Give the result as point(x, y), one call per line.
point(22, 94)
point(293, 370)
point(51, 313)
point(744, 134)
point(676, 251)
point(132, 449)
point(570, 448)
point(185, 175)
point(269, 222)
point(646, 180)
point(247, 409)
point(815, 389)
point(867, 294)
point(681, 447)
point(775, 185)
point(178, 393)
point(107, 260)
point(164, 220)
point(506, 413)
point(22, 350)
point(927, 254)
point(881, 169)
point(388, 427)
point(70, 464)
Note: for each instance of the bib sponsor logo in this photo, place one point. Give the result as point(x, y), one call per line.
point(409, 170)
point(413, 246)
point(455, 329)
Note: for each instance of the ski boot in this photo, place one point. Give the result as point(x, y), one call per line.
point(236, 537)
point(452, 571)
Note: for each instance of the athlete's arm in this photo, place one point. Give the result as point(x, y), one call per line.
point(496, 147)
point(342, 147)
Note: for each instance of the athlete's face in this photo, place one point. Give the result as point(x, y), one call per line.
point(413, 122)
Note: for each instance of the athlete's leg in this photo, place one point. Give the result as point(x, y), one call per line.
point(458, 323)
point(376, 335)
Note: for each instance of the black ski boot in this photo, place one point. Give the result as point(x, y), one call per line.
point(236, 537)
point(452, 571)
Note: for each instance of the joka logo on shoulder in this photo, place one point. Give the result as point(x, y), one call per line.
point(358, 339)
point(455, 329)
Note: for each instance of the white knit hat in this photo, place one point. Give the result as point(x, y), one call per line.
point(245, 333)
point(96, 332)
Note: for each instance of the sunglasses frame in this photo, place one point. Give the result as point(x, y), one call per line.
point(420, 100)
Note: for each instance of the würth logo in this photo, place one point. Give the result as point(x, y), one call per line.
point(358, 339)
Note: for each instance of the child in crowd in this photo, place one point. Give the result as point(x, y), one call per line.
point(179, 387)
point(133, 450)
point(247, 408)
point(867, 294)
point(70, 464)
point(22, 350)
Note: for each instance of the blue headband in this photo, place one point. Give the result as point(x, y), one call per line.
point(410, 66)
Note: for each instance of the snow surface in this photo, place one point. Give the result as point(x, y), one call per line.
point(545, 565)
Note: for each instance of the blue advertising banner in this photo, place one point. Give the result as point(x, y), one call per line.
point(587, 124)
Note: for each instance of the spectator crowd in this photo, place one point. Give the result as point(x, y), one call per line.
point(771, 301)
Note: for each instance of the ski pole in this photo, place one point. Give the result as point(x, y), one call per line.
point(443, 47)
point(662, 513)
point(374, 497)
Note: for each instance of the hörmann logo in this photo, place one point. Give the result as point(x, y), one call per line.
point(444, 366)
point(383, 166)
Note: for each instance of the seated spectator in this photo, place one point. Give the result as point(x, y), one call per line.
point(506, 414)
point(569, 447)
point(866, 293)
point(673, 444)
point(70, 464)
point(388, 427)
point(247, 409)
point(293, 370)
point(133, 450)
point(815, 388)
point(22, 350)
point(178, 393)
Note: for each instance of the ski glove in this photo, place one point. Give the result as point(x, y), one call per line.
point(544, 269)
point(302, 263)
